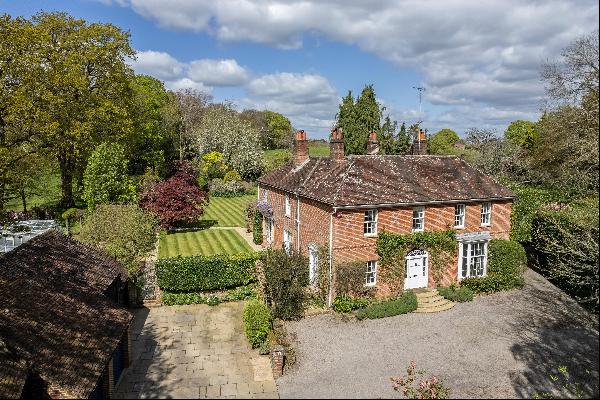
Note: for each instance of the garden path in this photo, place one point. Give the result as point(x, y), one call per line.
point(194, 351)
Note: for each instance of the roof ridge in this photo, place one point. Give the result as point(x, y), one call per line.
point(337, 192)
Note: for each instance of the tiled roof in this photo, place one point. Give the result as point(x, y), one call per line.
point(375, 179)
point(13, 373)
point(53, 313)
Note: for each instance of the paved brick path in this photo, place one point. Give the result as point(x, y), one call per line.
point(194, 351)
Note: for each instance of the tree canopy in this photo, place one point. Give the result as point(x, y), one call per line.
point(357, 118)
point(443, 142)
point(522, 133)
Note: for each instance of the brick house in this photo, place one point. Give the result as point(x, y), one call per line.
point(345, 201)
point(64, 332)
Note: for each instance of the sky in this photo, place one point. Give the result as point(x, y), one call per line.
point(479, 61)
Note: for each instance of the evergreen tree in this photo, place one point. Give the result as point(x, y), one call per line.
point(403, 140)
point(358, 118)
point(387, 136)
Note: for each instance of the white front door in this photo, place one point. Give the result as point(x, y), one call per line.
point(313, 261)
point(417, 270)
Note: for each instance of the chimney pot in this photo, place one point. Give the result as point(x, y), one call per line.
point(372, 144)
point(300, 148)
point(336, 145)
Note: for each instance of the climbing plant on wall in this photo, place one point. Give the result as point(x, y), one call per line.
point(392, 248)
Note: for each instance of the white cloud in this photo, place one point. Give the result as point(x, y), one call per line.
point(158, 64)
point(186, 83)
point(472, 55)
point(217, 72)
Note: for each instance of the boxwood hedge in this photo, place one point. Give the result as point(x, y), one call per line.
point(406, 303)
point(198, 273)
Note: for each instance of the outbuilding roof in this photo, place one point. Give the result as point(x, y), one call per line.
point(385, 180)
point(54, 315)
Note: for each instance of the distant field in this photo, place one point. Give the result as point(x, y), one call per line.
point(227, 211)
point(204, 242)
point(315, 150)
point(47, 193)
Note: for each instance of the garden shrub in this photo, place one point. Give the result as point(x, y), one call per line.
point(285, 281)
point(105, 178)
point(346, 304)
point(493, 283)
point(257, 232)
point(176, 200)
point(350, 279)
point(197, 273)
point(232, 176)
point(232, 188)
point(566, 244)
point(257, 322)
point(323, 283)
point(527, 202)
point(453, 293)
point(406, 303)
point(126, 232)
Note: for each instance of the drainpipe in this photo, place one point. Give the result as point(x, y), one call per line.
point(329, 297)
point(298, 222)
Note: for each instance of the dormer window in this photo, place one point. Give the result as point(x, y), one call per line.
point(288, 206)
point(370, 223)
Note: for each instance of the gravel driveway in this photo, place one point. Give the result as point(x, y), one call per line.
point(499, 346)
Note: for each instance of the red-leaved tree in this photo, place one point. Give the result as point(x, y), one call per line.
point(176, 200)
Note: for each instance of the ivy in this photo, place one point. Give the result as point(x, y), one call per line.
point(392, 248)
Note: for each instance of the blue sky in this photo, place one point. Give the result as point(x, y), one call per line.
point(479, 63)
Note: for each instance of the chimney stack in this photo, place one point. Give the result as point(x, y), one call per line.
point(300, 148)
point(336, 145)
point(372, 144)
point(419, 144)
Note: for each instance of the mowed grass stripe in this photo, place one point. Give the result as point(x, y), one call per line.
point(228, 211)
point(206, 242)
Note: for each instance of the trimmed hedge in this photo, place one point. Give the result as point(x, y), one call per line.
point(257, 322)
point(506, 263)
point(459, 294)
point(198, 273)
point(406, 303)
point(345, 304)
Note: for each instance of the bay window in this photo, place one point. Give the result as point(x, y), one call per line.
point(473, 259)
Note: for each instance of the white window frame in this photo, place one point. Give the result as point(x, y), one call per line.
point(460, 211)
point(471, 259)
point(265, 195)
point(486, 214)
point(371, 273)
point(419, 210)
point(313, 264)
point(287, 240)
point(288, 206)
point(370, 222)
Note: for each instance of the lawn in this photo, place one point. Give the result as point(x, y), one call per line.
point(227, 211)
point(204, 242)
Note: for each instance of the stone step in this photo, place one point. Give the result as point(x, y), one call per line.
point(430, 301)
point(426, 294)
point(443, 307)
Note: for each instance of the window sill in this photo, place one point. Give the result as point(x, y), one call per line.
point(371, 284)
point(370, 235)
point(486, 225)
point(418, 230)
point(459, 227)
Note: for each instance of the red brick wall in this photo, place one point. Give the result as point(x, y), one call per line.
point(350, 244)
point(314, 220)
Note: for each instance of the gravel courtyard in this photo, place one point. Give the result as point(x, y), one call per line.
point(500, 346)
